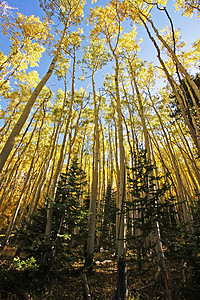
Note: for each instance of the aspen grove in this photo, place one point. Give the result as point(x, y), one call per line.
point(99, 150)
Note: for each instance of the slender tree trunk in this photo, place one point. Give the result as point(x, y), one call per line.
point(25, 114)
point(162, 261)
point(177, 62)
point(5, 184)
point(58, 171)
point(94, 187)
point(189, 124)
point(110, 177)
point(122, 290)
point(12, 222)
point(26, 186)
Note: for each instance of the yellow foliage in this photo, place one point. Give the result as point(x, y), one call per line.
point(128, 42)
point(188, 7)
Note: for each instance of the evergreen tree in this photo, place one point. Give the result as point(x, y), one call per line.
point(69, 217)
point(70, 200)
point(150, 205)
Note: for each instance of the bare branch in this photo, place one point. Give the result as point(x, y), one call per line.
point(4, 7)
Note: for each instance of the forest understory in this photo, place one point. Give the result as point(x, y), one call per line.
point(78, 283)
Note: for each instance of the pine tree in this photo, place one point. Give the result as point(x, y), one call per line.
point(69, 216)
point(148, 190)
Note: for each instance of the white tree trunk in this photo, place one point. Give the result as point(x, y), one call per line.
point(25, 114)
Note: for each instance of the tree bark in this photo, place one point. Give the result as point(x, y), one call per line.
point(94, 186)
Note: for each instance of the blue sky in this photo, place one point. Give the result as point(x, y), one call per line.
point(190, 27)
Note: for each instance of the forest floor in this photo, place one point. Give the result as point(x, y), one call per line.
point(102, 283)
point(142, 285)
point(67, 284)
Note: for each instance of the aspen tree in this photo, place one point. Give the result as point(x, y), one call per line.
point(20, 148)
point(25, 185)
point(28, 36)
point(188, 152)
point(166, 171)
point(139, 13)
point(101, 18)
point(50, 155)
point(73, 40)
point(103, 163)
point(22, 163)
point(174, 162)
point(109, 22)
point(133, 69)
point(16, 130)
point(37, 190)
point(95, 57)
point(110, 178)
point(175, 59)
point(59, 164)
point(17, 99)
point(194, 135)
point(75, 128)
point(94, 185)
point(55, 147)
point(146, 136)
point(73, 12)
